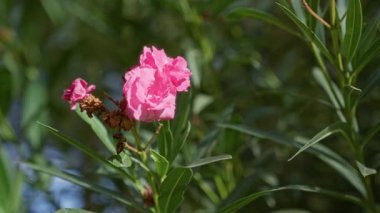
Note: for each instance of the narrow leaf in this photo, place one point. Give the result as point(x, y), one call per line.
point(365, 171)
point(354, 22)
point(180, 141)
point(326, 132)
point(368, 56)
point(70, 210)
point(80, 181)
point(259, 15)
point(173, 188)
point(6, 131)
point(209, 160)
point(84, 149)
point(370, 134)
point(98, 128)
point(236, 205)
point(331, 90)
point(318, 150)
point(165, 140)
point(307, 32)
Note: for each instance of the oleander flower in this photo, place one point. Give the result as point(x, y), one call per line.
point(176, 69)
point(150, 89)
point(77, 92)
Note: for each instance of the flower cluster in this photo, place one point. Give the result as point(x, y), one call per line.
point(150, 91)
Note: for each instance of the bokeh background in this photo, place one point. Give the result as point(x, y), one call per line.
point(244, 72)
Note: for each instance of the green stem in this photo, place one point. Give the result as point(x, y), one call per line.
point(370, 201)
point(137, 138)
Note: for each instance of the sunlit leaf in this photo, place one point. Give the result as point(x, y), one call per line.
point(121, 160)
point(98, 128)
point(162, 164)
point(200, 102)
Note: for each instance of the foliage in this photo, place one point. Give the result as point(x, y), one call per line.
point(271, 82)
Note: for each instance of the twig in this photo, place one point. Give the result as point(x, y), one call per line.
point(311, 11)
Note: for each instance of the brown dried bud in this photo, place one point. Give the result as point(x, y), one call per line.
point(148, 197)
point(117, 119)
point(120, 147)
point(91, 105)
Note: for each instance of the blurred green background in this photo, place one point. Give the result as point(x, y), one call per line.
point(244, 72)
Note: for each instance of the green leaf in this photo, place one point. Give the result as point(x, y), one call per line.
point(332, 91)
point(352, 94)
point(180, 142)
point(318, 150)
point(13, 66)
point(11, 182)
point(369, 45)
point(162, 164)
point(307, 32)
point(326, 132)
point(208, 142)
point(85, 149)
point(353, 33)
point(194, 58)
point(70, 210)
point(173, 188)
point(181, 125)
point(238, 204)
point(121, 160)
point(82, 182)
point(369, 135)
point(6, 131)
point(344, 168)
point(209, 160)
point(54, 10)
point(240, 13)
point(365, 171)
point(99, 129)
point(165, 140)
point(200, 102)
point(368, 56)
point(34, 109)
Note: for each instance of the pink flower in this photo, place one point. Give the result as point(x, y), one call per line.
point(150, 89)
point(176, 69)
point(77, 92)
